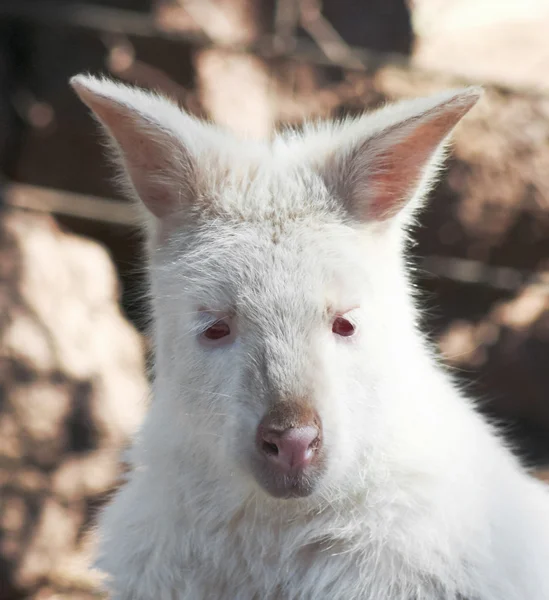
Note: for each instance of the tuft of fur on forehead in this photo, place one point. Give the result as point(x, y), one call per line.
point(272, 191)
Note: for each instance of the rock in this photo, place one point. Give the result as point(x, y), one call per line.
point(72, 390)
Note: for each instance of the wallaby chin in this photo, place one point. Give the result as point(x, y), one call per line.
point(302, 442)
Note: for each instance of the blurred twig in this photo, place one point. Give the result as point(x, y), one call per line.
point(477, 272)
point(287, 14)
point(39, 199)
point(326, 37)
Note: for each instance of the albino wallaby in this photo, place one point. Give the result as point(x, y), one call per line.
point(302, 441)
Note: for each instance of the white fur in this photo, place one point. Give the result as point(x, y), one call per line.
point(421, 499)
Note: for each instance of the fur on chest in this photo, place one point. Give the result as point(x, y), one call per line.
point(247, 560)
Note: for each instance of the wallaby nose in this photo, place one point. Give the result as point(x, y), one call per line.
point(290, 449)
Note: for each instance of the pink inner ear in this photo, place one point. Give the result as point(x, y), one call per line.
point(150, 158)
point(157, 166)
point(150, 169)
point(396, 171)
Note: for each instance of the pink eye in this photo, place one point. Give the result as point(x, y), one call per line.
point(342, 327)
point(218, 330)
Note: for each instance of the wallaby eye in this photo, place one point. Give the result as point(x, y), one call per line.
point(218, 330)
point(343, 327)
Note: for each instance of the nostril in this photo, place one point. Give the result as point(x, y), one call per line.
point(315, 444)
point(269, 448)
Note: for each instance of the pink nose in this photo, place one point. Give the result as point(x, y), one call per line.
point(291, 449)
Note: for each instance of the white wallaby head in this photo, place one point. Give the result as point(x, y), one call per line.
point(283, 319)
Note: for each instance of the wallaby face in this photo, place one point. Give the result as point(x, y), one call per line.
point(302, 442)
point(277, 278)
point(275, 338)
point(271, 336)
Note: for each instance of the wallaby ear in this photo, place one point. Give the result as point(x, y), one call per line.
point(389, 159)
point(146, 134)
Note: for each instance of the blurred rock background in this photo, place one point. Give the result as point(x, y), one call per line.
point(73, 341)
